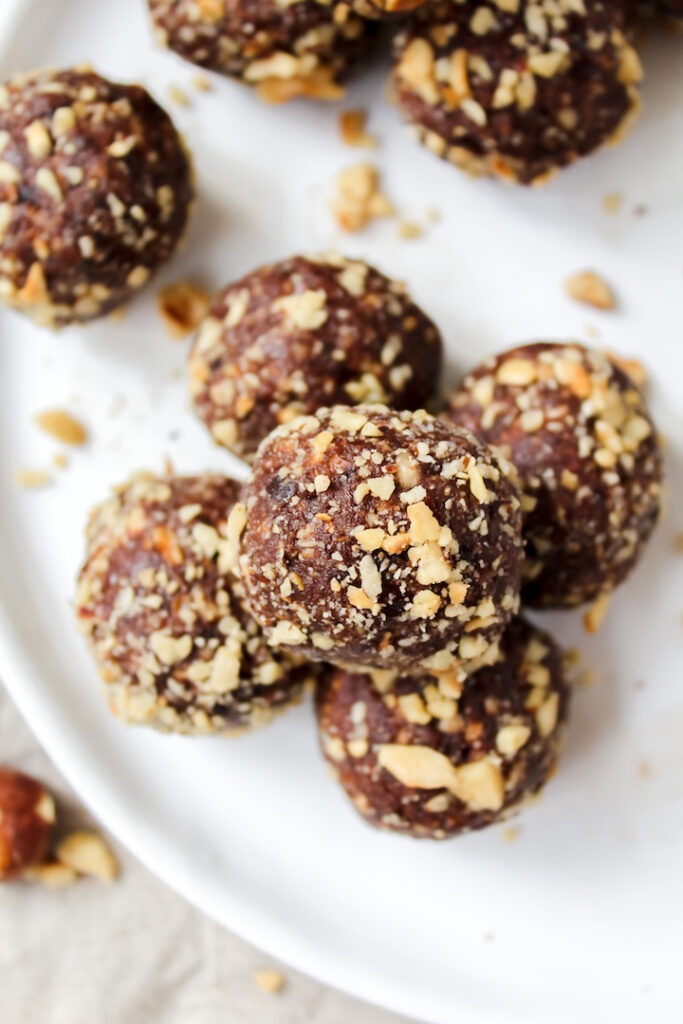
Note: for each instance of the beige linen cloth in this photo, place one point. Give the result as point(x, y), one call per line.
point(133, 952)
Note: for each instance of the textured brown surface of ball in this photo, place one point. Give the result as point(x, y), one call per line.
point(164, 619)
point(428, 763)
point(520, 89)
point(578, 432)
point(380, 538)
point(27, 816)
point(285, 50)
point(294, 336)
point(95, 188)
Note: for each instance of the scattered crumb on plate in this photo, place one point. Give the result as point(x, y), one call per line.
point(352, 129)
point(408, 229)
point(32, 479)
point(594, 617)
point(511, 835)
point(359, 199)
point(590, 289)
point(178, 95)
point(202, 83)
point(60, 424)
point(611, 202)
point(60, 460)
point(182, 306)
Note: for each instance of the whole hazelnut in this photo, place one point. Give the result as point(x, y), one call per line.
point(27, 815)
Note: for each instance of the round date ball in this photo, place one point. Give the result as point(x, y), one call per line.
point(373, 537)
point(164, 619)
point(415, 759)
point(578, 432)
point(284, 49)
point(27, 816)
point(95, 189)
point(517, 90)
point(294, 336)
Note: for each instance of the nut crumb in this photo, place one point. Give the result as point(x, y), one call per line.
point(202, 83)
point(52, 875)
point(408, 229)
point(358, 198)
point(178, 95)
point(62, 425)
point(352, 129)
point(612, 202)
point(271, 982)
point(182, 306)
point(60, 460)
point(590, 289)
point(32, 479)
point(594, 617)
point(88, 854)
point(510, 835)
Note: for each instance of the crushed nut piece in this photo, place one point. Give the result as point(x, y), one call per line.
point(62, 425)
point(358, 198)
point(182, 306)
point(88, 854)
point(352, 129)
point(32, 479)
point(595, 615)
point(408, 229)
point(591, 289)
point(271, 982)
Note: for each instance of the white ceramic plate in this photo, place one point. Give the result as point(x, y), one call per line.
point(581, 918)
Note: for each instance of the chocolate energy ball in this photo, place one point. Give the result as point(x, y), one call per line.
point(284, 49)
point(95, 188)
point(518, 90)
point(373, 537)
point(304, 333)
point(577, 430)
point(27, 817)
point(164, 619)
point(431, 764)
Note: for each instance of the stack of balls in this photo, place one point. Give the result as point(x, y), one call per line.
point(376, 551)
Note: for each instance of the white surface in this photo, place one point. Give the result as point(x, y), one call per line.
point(581, 918)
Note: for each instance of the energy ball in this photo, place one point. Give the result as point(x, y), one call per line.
point(578, 432)
point(164, 619)
point(381, 538)
point(95, 189)
point(304, 333)
point(517, 90)
point(300, 48)
point(27, 817)
point(416, 760)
